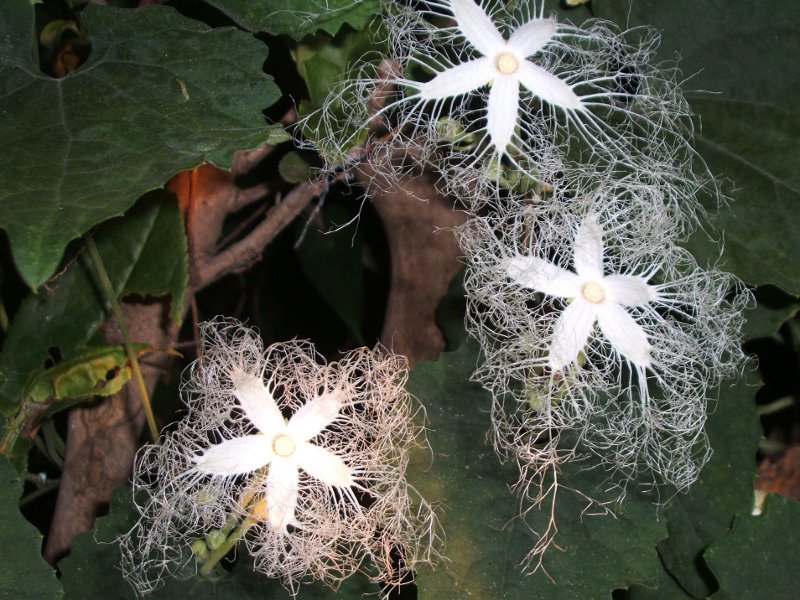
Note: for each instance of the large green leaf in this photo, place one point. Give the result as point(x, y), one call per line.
point(744, 56)
point(486, 540)
point(92, 570)
point(759, 558)
point(297, 18)
point(23, 572)
point(772, 309)
point(143, 252)
point(723, 491)
point(160, 93)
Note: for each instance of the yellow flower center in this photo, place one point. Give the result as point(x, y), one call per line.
point(507, 63)
point(283, 445)
point(593, 292)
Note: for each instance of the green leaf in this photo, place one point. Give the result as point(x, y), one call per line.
point(160, 93)
point(92, 570)
point(486, 538)
point(323, 62)
point(297, 18)
point(756, 146)
point(23, 571)
point(750, 121)
point(67, 314)
point(723, 491)
point(162, 266)
point(772, 309)
point(759, 558)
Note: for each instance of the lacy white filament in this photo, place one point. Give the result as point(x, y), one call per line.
point(312, 455)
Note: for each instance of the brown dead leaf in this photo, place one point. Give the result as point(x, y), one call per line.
point(424, 260)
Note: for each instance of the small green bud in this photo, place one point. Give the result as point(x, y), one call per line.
point(200, 549)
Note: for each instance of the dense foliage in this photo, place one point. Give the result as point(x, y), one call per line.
point(165, 164)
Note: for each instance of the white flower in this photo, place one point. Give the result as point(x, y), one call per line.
point(503, 64)
point(609, 332)
point(595, 298)
point(284, 447)
point(318, 496)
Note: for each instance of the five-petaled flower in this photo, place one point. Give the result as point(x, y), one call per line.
point(595, 298)
point(504, 65)
point(318, 495)
point(284, 447)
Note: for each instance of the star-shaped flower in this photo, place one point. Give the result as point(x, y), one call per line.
point(503, 64)
point(283, 446)
point(596, 298)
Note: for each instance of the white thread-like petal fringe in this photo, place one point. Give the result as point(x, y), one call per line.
point(306, 458)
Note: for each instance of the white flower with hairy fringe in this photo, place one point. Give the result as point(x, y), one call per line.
point(520, 82)
point(298, 461)
point(594, 299)
point(599, 325)
point(601, 339)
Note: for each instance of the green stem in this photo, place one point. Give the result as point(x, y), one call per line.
point(14, 427)
point(41, 491)
point(126, 337)
point(217, 555)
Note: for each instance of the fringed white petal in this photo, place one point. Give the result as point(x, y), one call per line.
point(531, 37)
point(314, 416)
point(542, 276)
point(477, 27)
point(502, 111)
point(628, 290)
point(235, 457)
point(570, 333)
point(258, 404)
point(625, 334)
point(282, 484)
point(547, 86)
point(457, 80)
point(324, 465)
point(588, 252)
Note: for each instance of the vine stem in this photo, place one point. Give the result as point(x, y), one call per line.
point(126, 337)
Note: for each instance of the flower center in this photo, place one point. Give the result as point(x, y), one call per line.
point(507, 63)
point(283, 445)
point(593, 292)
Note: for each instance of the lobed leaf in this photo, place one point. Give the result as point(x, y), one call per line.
point(23, 571)
point(159, 93)
point(741, 59)
point(772, 309)
point(759, 558)
point(724, 490)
